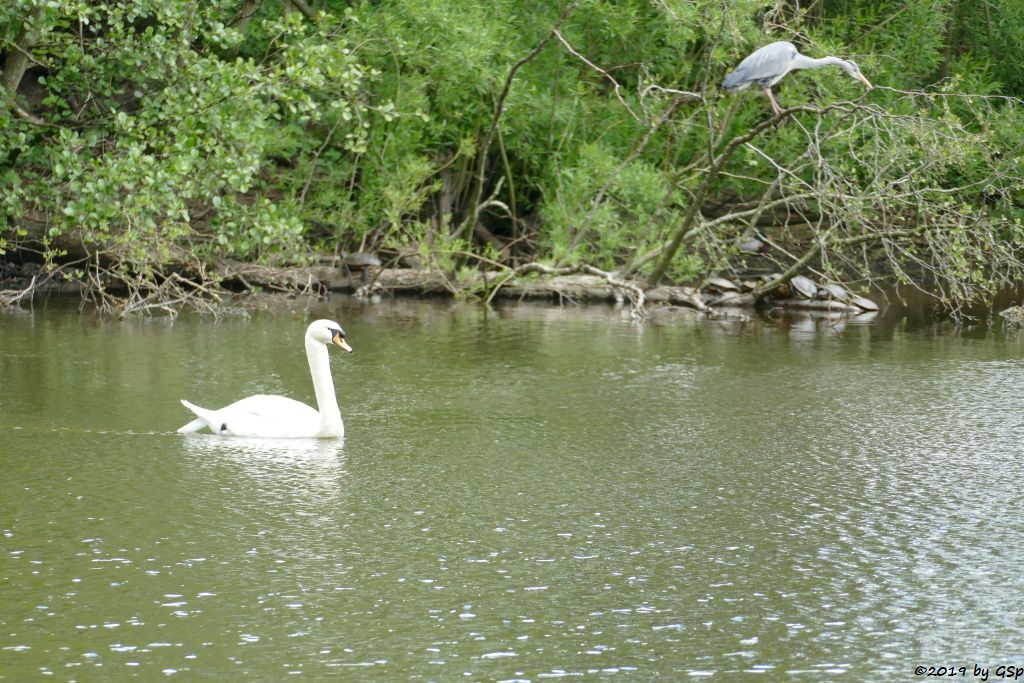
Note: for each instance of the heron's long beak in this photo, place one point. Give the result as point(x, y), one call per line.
point(865, 81)
point(338, 340)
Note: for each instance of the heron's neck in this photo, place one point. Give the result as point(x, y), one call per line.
point(802, 62)
point(323, 385)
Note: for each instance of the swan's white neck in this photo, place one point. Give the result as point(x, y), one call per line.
point(326, 402)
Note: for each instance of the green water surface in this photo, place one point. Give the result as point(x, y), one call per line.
point(525, 493)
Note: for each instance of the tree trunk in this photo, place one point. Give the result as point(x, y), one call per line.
point(18, 58)
point(249, 8)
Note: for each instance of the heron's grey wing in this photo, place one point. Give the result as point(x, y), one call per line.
point(763, 66)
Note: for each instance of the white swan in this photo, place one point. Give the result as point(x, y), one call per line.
point(278, 416)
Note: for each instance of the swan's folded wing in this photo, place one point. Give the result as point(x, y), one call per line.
point(268, 416)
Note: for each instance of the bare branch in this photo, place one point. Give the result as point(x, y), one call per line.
point(499, 109)
point(595, 67)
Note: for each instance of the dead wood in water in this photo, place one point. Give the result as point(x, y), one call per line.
point(203, 288)
point(301, 279)
point(530, 281)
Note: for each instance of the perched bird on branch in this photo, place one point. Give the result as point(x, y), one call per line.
point(768, 65)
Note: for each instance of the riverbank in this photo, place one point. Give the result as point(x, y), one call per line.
point(528, 282)
point(531, 281)
point(234, 287)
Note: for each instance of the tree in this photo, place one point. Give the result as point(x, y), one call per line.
point(144, 142)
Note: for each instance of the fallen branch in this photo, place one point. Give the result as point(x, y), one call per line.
point(635, 293)
point(716, 163)
point(12, 297)
point(578, 283)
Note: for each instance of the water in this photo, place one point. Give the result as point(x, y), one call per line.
point(523, 494)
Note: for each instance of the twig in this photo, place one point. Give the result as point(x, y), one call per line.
point(499, 109)
point(595, 67)
point(717, 163)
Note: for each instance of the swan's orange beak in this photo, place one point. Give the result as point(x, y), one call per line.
point(338, 340)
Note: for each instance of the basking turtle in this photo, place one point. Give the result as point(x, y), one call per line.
point(751, 245)
point(721, 285)
point(804, 287)
point(863, 304)
point(830, 290)
point(359, 261)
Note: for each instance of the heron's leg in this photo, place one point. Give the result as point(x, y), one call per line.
point(771, 98)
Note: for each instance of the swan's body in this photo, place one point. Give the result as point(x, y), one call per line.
point(768, 65)
point(278, 416)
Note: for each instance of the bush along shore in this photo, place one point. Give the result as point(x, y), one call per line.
point(157, 155)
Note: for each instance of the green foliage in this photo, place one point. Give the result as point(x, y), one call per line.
point(178, 125)
point(159, 131)
point(602, 210)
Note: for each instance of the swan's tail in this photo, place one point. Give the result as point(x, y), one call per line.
point(193, 426)
point(196, 424)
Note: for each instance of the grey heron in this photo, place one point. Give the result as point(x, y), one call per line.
point(768, 65)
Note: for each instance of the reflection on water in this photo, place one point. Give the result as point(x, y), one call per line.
point(525, 493)
point(312, 467)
